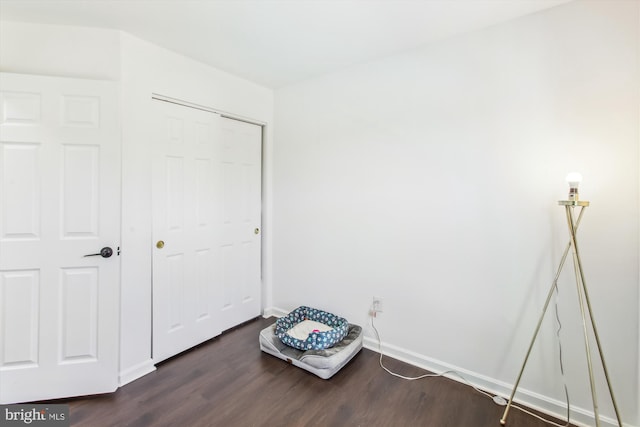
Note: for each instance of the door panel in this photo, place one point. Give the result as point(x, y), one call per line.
point(21, 191)
point(79, 296)
point(20, 291)
point(80, 192)
point(59, 200)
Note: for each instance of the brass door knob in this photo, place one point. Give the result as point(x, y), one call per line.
point(160, 244)
point(256, 231)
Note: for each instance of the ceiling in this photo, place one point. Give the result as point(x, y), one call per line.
point(279, 42)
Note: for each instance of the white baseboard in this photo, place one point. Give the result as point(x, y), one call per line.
point(530, 399)
point(135, 372)
point(273, 312)
point(544, 404)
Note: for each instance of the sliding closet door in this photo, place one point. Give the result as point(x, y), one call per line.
point(240, 227)
point(185, 253)
point(206, 226)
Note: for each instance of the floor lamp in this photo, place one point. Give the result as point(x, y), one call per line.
point(574, 180)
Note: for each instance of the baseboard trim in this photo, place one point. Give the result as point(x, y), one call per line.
point(530, 399)
point(553, 407)
point(135, 372)
point(273, 312)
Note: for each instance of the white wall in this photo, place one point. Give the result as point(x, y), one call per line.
point(431, 180)
point(88, 53)
point(142, 69)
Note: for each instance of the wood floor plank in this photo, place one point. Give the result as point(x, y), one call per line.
point(228, 381)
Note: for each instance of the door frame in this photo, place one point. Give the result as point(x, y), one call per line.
point(222, 113)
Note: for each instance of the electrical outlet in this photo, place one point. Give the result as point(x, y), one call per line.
point(376, 306)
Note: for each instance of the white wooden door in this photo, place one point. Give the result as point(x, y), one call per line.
point(240, 243)
point(184, 228)
point(206, 226)
point(59, 201)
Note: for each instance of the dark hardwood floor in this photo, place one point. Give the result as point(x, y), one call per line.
point(228, 381)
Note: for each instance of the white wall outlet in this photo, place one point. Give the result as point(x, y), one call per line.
point(376, 306)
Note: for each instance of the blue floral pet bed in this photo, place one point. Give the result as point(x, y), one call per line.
point(307, 328)
point(331, 341)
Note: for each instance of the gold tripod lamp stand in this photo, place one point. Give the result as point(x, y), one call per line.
point(574, 180)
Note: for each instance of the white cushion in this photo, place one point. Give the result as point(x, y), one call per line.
point(302, 330)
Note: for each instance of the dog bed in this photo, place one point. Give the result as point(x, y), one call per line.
point(323, 363)
point(307, 328)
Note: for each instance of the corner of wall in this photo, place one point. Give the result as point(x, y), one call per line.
point(273, 312)
point(135, 372)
